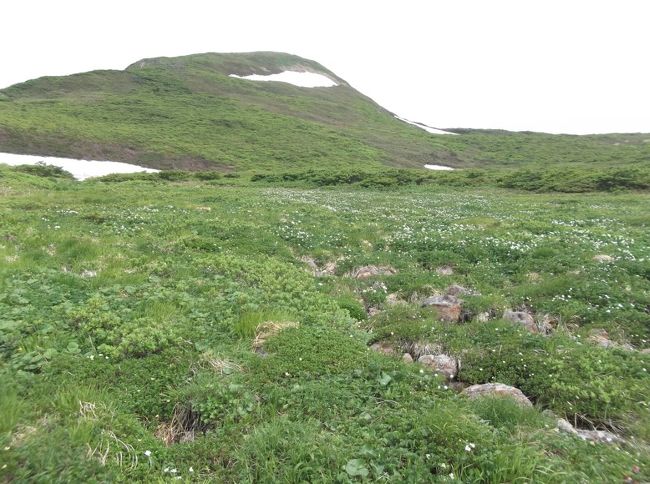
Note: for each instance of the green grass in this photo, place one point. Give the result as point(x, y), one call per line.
point(186, 112)
point(128, 312)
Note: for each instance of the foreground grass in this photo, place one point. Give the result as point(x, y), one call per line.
point(133, 345)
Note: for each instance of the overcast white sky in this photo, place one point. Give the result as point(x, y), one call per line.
point(568, 66)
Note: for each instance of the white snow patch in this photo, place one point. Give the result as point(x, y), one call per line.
point(428, 129)
point(439, 167)
point(300, 79)
point(80, 169)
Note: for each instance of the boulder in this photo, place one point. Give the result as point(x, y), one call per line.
point(447, 307)
point(603, 258)
point(523, 318)
point(446, 365)
point(497, 390)
point(407, 358)
point(371, 271)
point(598, 436)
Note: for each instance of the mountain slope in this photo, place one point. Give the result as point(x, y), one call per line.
point(187, 112)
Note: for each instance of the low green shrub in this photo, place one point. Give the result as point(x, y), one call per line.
point(44, 170)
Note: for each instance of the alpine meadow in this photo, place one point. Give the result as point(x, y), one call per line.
point(294, 297)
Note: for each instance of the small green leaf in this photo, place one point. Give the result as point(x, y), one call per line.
point(384, 379)
point(356, 468)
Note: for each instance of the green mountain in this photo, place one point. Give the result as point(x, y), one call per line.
point(187, 112)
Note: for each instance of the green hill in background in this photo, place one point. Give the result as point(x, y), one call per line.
point(187, 113)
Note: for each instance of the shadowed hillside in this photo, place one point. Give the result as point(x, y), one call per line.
point(186, 112)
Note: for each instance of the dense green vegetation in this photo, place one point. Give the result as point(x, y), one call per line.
point(251, 313)
point(186, 112)
point(567, 180)
point(162, 326)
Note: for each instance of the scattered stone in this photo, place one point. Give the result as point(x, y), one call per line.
point(86, 274)
point(448, 307)
point(383, 347)
point(565, 426)
point(310, 261)
point(420, 348)
point(497, 390)
point(523, 318)
point(407, 358)
point(601, 338)
point(456, 290)
point(371, 271)
point(603, 258)
point(446, 365)
point(457, 386)
point(445, 271)
point(599, 436)
point(548, 324)
point(483, 317)
point(645, 351)
point(547, 412)
point(329, 269)
point(373, 311)
point(394, 300)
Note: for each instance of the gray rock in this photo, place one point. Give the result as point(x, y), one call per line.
point(601, 338)
point(523, 318)
point(419, 348)
point(446, 365)
point(603, 258)
point(497, 390)
point(599, 436)
point(329, 269)
point(448, 307)
point(407, 358)
point(483, 317)
point(371, 271)
point(548, 324)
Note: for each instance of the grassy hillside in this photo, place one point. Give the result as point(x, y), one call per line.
point(153, 329)
point(186, 112)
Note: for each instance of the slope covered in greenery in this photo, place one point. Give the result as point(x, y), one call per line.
point(186, 112)
point(213, 330)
